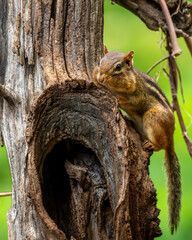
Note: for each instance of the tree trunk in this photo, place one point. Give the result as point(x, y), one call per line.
point(78, 167)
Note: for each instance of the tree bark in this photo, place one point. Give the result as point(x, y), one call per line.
point(151, 14)
point(78, 167)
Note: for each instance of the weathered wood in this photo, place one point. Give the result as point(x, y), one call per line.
point(83, 170)
point(78, 169)
point(151, 14)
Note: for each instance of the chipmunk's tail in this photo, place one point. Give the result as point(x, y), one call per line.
point(174, 187)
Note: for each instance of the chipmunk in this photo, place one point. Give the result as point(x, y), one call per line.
point(142, 99)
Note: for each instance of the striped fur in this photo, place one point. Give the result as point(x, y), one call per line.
point(141, 97)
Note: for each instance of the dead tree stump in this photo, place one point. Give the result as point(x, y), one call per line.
point(87, 172)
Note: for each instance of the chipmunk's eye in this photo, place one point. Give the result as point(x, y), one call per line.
point(118, 67)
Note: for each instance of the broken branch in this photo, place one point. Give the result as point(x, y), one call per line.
point(176, 50)
point(5, 194)
point(8, 95)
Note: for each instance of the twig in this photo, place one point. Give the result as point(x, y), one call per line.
point(158, 62)
point(176, 50)
point(189, 115)
point(5, 194)
point(7, 94)
point(180, 80)
point(173, 80)
point(177, 10)
point(165, 71)
point(188, 41)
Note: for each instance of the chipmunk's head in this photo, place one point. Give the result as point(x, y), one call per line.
point(114, 72)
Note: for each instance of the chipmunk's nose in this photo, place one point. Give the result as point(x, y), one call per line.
point(101, 78)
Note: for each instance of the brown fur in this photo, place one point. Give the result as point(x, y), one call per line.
point(140, 96)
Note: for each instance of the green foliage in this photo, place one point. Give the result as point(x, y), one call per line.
point(5, 186)
point(123, 31)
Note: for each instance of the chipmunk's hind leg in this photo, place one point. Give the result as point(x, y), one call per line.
point(158, 130)
point(156, 138)
point(151, 146)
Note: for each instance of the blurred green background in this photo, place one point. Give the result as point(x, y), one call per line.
point(123, 31)
point(5, 186)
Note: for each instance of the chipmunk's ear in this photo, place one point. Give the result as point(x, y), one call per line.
point(129, 57)
point(105, 49)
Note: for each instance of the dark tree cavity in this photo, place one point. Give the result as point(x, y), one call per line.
point(87, 165)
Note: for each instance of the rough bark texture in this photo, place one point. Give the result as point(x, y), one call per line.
point(78, 168)
point(90, 166)
point(151, 14)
